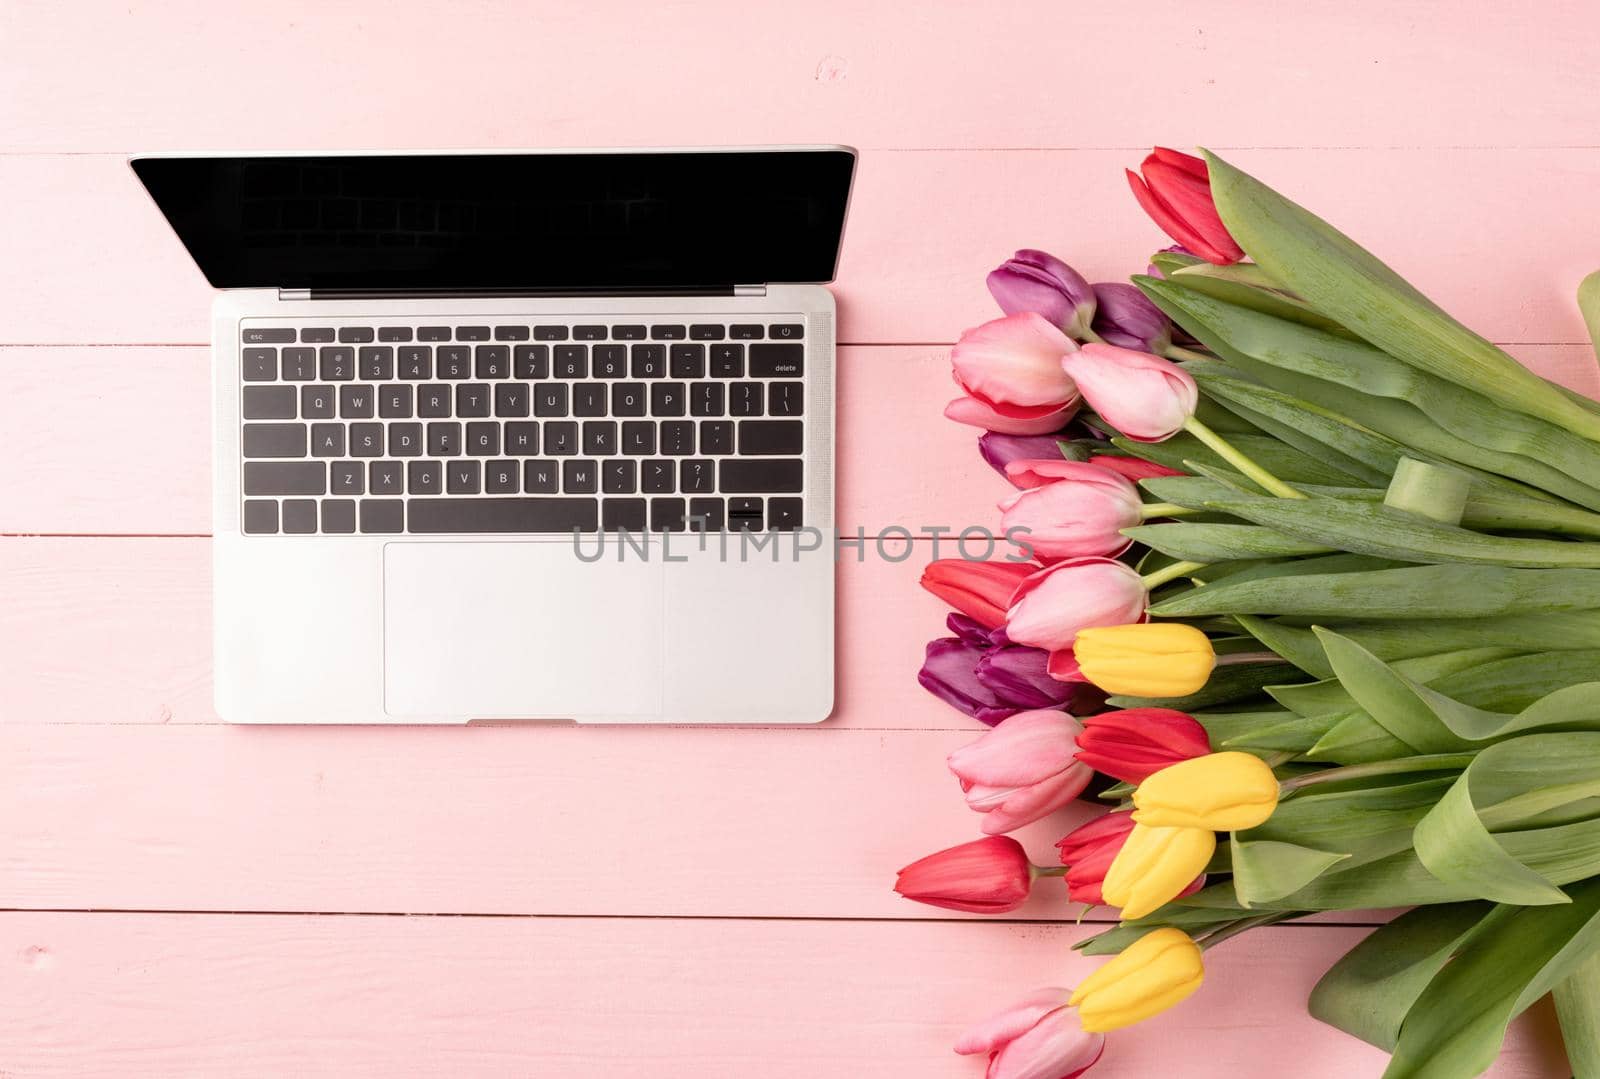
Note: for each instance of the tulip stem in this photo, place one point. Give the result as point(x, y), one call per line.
point(1049, 871)
point(1155, 580)
point(1178, 352)
point(1436, 762)
point(1244, 925)
point(1228, 453)
point(1164, 509)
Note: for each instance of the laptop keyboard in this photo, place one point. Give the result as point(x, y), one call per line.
point(432, 428)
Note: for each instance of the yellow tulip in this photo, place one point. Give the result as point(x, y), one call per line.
point(1155, 866)
point(1222, 792)
point(1145, 659)
point(1152, 974)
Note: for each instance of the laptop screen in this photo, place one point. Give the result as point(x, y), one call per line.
point(506, 221)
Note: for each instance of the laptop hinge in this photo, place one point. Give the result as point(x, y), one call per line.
point(538, 293)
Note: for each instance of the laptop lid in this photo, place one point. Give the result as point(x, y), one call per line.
point(517, 221)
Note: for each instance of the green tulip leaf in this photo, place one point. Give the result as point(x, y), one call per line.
point(1245, 285)
point(1453, 844)
point(1578, 1009)
point(1205, 542)
point(1387, 696)
point(1589, 304)
point(1283, 461)
point(1298, 647)
point(1345, 283)
point(1458, 1023)
point(1265, 870)
point(1233, 682)
point(1359, 739)
point(1369, 991)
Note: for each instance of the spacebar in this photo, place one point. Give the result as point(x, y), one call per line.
point(503, 514)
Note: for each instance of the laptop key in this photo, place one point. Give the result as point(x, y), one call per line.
point(500, 477)
point(716, 437)
point(492, 361)
point(299, 517)
point(705, 515)
point(511, 333)
point(327, 440)
point(472, 399)
point(771, 438)
point(274, 440)
point(783, 514)
point(777, 361)
point(416, 362)
point(435, 515)
point(355, 335)
point(376, 362)
point(339, 515)
point(260, 518)
point(688, 361)
point(383, 515)
point(423, 477)
point(572, 361)
point(744, 399)
point(786, 398)
point(261, 335)
point(532, 361)
point(666, 399)
point(707, 332)
point(366, 440)
point(677, 438)
point(405, 439)
point(649, 361)
point(706, 399)
point(619, 476)
point(626, 514)
point(394, 333)
point(269, 402)
point(589, 399)
point(463, 478)
point(455, 361)
point(299, 364)
point(627, 399)
point(761, 475)
point(745, 514)
point(472, 333)
point(347, 478)
point(549, 333)
point(668, 515)
point(658, 477)
point(580, 477)
point(356, 402)
point(433, 333)
point(669, 333)
point(260, 364)
point(394, 402)
point(561, 438)
point(433, 401)
point(610, 361)
point(285, 478)
point(550, 399)
point(638, 438)
point(483, 439)
point(727, 361)
point(786, 331)
point(317, 402)
point(540, 477)
point(747, 332)
point(386, 478)
point(338, 364)
point(697, 476)
point(628, 333)
point(600, 438)
point(588, 333)
point(522, 438)
point(444, 439)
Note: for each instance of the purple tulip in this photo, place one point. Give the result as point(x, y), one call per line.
point(980, 673)
point(1124, 317)
point(1000, 450)
point(1039, 282)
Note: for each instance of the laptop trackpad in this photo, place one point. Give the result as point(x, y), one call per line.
point(487, 630)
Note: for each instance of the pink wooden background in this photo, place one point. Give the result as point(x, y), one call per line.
point(180, 898)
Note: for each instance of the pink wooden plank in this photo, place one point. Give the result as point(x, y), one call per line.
point(118, 631)
point(925, 228)
point(101, 482)
point(141, 76)
point(498, 820)
point(104, 478)
point(165, 996)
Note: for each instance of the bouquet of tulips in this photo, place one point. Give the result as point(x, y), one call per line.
point(1311, 573)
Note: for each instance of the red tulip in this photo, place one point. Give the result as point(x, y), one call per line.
point(980, 590)
point(1135, 743)
point(987, 876)
point(1133, 468)
point(1175, 190)
point(1088, 852)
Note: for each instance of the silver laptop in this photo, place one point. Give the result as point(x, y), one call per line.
point(521, 435)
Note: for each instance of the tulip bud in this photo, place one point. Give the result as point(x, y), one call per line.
point(981, 674)
point(1135, 743)
point(1155, 972)
point(1175, 190)
point(1051, 606)
point(1155, 866)
point(999, 450)
point(1070, 509)
point(1147, 398)
point(987, 876)
point(1039, 282)
point(1132, 468)
point(1011, 370)
point(1150, 659)
point(1022, 770)
point(1221, 792)
point(1089, 852)
point(1038, 1037)
point(981, 590)
point(1126, 318)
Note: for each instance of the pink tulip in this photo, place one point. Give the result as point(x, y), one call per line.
point(980, 590)
point(1023, 770)
point(1052, 605)
point(1147, 398)
point(1012, 368)
point(1063, 666)
point(1038, 1037)
point(1133, 468)
point(1070, 509)
point(976, 413)
point(1175, 190)
point(986, 876)
point(1039, 282)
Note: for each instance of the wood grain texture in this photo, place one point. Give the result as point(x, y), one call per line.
point(924, 228)
point(185, 74)
point(171, 997)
